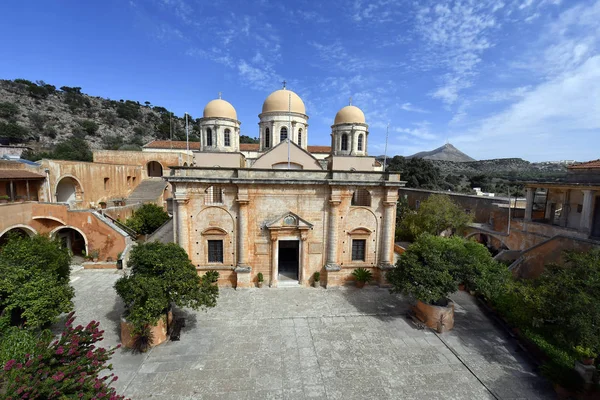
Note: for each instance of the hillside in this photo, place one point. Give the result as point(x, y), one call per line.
point(41, 116)
point(507, 168)
point(446, 152)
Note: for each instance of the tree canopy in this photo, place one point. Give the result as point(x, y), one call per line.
point(147, 219)
point(418, 172)
point(433, 267)
point(435, 215)
point(34, 281)
point(161, 275)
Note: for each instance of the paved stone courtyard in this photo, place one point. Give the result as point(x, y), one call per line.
point(306, 343)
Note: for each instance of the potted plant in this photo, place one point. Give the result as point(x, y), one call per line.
point(260, 279)
point(161, 275)
point(212, 276)
point(316, 279)
point(362, 276)
point(586, 355)
point(4, 199)
point(424, 272)
point(94, 255)
point(102, 204)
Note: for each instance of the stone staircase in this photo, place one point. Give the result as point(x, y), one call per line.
point(147, 191)
point(164, 234)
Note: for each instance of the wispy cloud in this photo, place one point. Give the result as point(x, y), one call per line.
point(410, 108)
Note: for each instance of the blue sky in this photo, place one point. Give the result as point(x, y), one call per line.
point(502, 78)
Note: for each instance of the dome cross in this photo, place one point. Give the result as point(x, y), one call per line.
point(284, 82)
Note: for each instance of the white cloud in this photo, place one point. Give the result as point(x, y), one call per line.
point(566, 107)
point(411, 108)
point(420, 132)
point(258, 78)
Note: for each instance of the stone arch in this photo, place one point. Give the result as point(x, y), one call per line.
point(68, 189)
point(213, 223)
point(72, 238)
point(19, 229)
point(489, 240)
point(154, 168)
point(361, 223)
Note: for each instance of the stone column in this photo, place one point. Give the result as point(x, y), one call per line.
point(566, 209)
point(529, 194)
point(303, 250)
point(242, 270)
point(181, 232)
point(387, 234)
point(274, 254)
point(585, 224)
point(332, 238)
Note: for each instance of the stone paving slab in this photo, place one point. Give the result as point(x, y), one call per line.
point(307, 343)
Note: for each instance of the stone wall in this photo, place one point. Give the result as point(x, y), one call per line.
point(51, 218)
point(95, 182)
point(142, 158)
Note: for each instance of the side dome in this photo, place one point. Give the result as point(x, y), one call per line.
point(350, 115)
point(219, 108)
point(279, 101)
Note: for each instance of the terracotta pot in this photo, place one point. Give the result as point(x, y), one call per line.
point(588, 361)
point(159, 331)
point(95, 259)
point(316, 284)
point(260, 284)
point(360, 284)
point(461, 287)
point(435, 317)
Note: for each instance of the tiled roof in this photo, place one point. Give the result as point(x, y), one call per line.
point(181, 145)
point(319, 149)
point(249, 146)
point(175, 144)
point(19, 174)
point(585, 165)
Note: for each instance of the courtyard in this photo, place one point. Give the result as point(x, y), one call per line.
point(306, 343)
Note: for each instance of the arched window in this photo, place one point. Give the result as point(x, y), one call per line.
point(208, 137)
point(283, 134)
point(360, 142)
point(227, 138)
point(267, 138)
point(344, 142)
point(300, 137)
point(214, 195)
point(361, 197)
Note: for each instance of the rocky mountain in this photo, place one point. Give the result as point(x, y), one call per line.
point(41, 116)
point(446, 152)
point(509, 168)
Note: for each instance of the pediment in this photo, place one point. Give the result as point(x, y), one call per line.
point(289, 220)
point(277, 157)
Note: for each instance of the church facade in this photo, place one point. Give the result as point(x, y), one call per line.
point(278, 209)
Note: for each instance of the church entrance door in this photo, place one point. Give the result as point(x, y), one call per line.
point(289, 257)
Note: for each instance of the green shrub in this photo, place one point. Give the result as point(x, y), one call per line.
point(89, 127)
point(147, 219)
point(8, 110)
point(212, 276)
point(16, 343)
point(317, 276)
point(14, 132)
point(34, 281)
point(260, 277)
point(362, 275)
point(74, 148)
point(38, 121)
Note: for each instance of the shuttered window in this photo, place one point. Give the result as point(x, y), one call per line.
point(215, 251)
point(358, 249)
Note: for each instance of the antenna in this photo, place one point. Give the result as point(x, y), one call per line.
point(171, 129)
point(290, 116)
point(220, 95)
point(387, 131)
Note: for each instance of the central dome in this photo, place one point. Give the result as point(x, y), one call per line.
point(279, 101)
point(349, 115)
point(219, 108)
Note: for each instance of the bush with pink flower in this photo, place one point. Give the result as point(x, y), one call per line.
point(67, 367)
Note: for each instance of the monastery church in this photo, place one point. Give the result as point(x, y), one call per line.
point(281, 207)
